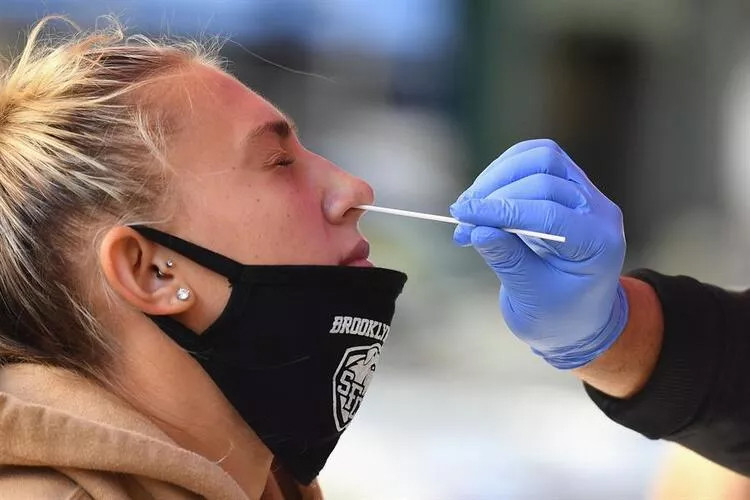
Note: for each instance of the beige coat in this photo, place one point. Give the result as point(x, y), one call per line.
point(686, 475)
point(64, 437)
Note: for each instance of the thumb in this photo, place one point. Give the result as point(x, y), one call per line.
point(502, 251)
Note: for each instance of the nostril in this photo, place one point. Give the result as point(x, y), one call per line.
point(367, 194)
point(346, 193)
point(337, 210)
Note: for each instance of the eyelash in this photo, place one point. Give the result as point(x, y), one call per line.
point(280, 159)
point(285, 162)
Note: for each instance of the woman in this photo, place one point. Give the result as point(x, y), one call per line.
point(186, 295)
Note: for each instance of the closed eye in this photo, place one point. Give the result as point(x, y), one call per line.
point(285, 162)
point(279, 159)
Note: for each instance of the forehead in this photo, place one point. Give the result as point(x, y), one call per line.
point(211, 115)
point(214, 98)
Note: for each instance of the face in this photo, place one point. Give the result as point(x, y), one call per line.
point(247, 188)
point(243, 186)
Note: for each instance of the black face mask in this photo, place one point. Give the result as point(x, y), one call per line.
point(295, 348)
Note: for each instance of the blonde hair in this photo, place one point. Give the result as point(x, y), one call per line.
point(79, 149)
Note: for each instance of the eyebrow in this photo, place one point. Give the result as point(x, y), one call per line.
point(282, 128)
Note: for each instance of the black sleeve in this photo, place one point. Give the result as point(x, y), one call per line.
point(699, 392)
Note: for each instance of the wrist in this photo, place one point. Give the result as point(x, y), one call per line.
point(626, 367)
point(592, 346)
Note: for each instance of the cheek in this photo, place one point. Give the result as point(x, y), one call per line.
point(264, 219)
point(290, 225)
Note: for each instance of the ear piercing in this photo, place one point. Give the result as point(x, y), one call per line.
point(159, 274)
point(182, 294)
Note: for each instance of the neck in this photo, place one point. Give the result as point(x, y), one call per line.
point(166, 384)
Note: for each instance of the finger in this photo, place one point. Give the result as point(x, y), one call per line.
point(539, 160)
point(575, 172)
point(462, 235)
point(536, 215)
point(502, 251)
point(543, 187)
point(527, 145)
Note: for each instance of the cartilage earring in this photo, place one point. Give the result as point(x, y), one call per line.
point(160, 274)
point(183, 294)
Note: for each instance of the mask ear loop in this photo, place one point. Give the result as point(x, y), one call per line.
point(229, 268)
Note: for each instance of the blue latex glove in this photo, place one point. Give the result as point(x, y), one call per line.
point(563, 299)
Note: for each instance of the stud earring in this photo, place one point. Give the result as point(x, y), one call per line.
point(169, 264)
point(183, 294)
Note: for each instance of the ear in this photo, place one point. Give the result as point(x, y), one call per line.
point(130, 263)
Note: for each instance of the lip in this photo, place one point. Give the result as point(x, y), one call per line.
point(358, 255)
point(360, 263)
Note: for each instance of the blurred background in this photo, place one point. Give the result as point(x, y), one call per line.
point(651, 98)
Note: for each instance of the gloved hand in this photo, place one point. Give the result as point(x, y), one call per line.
point(563, 299)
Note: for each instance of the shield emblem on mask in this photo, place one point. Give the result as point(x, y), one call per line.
point(351, 380)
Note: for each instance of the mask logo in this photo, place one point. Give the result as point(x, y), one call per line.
point(351, 380)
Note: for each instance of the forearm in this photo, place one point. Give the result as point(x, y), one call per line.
point(626, 366)
point(680, 372)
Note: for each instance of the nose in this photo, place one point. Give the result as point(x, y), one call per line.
point(344, 192)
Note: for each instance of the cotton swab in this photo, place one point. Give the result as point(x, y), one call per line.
point(451, 220)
